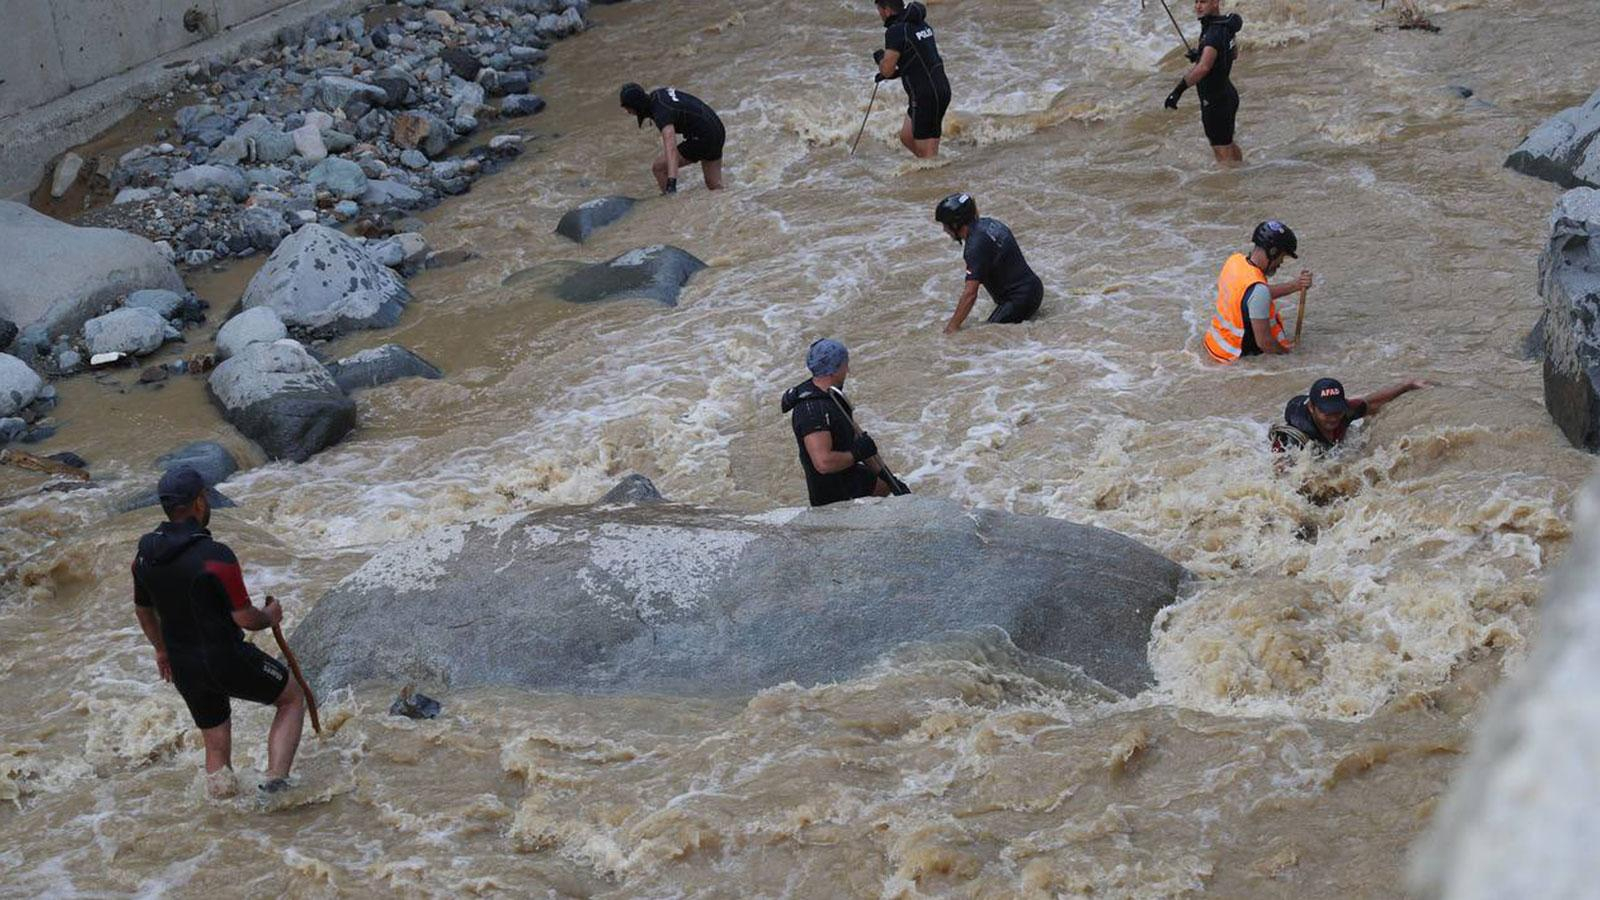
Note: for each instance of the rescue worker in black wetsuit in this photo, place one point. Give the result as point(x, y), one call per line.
point(1322, 416)
point(1213, 64)
point(840, 463)
point(910, 54)
point(190, 599)
point(679, 114)
point(993, 260)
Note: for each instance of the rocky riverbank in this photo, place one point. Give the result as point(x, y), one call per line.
point(349, 123)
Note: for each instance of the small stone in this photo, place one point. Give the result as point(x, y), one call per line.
point(502, 141)
point(415, 706)
point(413, 159)
point(135, 195)
point(153, 375)
point(66, 175)
point(11, 428)
point(346, 209)
point(308, 142)
point(197, 258)
point(440, 18)
point(521, 105)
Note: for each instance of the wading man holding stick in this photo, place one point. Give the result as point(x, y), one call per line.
point(1246, 322)
point(1213, 64)
point(189, 595)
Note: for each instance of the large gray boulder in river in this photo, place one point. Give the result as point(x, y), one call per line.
point(59, 276)
point(1569, 281)
point(322, 283)
point(279, 396)
point(578, 224)
point(656, 273)
point(1565, 149)
point(667, 598)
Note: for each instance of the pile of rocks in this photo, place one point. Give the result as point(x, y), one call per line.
point(317, 285)
point(339, 120)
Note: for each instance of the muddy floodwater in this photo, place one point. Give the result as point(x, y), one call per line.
point(1316, 687)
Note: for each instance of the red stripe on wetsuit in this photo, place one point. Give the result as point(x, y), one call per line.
point(231, 578)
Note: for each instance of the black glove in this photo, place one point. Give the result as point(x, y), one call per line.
point(877, 78)
point(1172, 98)
point(877, 56)
point(1193, 55)
point(672, 186)
point(864, 448)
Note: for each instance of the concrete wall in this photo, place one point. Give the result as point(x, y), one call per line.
point(70, 69)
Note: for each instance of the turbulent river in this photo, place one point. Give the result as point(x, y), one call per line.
point(1315, 688)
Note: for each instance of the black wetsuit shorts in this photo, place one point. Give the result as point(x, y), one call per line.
point(1015, 311)
point(704, 148)
point(1218, 117)
point(242, 673)
point(927, 111)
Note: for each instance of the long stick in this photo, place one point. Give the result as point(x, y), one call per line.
point(294, 666)
point(864, 118)
point(1300, 317)
point(896, 486)
point(1175, 24)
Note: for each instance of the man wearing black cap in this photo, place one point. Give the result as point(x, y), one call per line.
point(1323, 415)
point(840, 463)
point(189, 595)
point(679, 114)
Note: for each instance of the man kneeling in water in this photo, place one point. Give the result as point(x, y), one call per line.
point(993, 260)
point(191, 603)
point(1323, 416)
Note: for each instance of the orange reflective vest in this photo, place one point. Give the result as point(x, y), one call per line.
point(1225, 339)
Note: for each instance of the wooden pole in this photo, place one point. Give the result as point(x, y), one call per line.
point(1300, 317)
point(294, 666)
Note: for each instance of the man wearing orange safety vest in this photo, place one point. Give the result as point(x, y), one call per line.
point(1246, 322)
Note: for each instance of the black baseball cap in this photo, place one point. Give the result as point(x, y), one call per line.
point(1327, 395)
point(180, 486)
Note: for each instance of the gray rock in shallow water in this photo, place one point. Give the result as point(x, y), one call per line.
point(19, 384)
point(283, 399)
point(1569, 282)
point(210, 459)
point(379, 366)
point(323, 282)
point(518, 105)
point(253, 326)
point(168, 304)
point(58, 276)
point(1565, 149)
point(657, 273)
point(578, 224)
point(633, 489)
point(138, 331)
point(662, 598)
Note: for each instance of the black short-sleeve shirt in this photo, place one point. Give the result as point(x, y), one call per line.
point(995, 260)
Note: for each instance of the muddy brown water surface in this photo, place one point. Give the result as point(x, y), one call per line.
point(1314, 690)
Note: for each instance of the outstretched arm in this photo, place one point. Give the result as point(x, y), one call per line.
point(969, 298)
point(1380, 399)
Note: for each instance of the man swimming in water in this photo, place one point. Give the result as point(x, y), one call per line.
point(993, 260)
point(910, 54)
point(1323, 415)
point(679, 114)
point(1213, 64)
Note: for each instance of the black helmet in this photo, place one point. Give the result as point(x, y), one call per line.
point(955, 211)
point(1273, 235)
point(635, 100)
